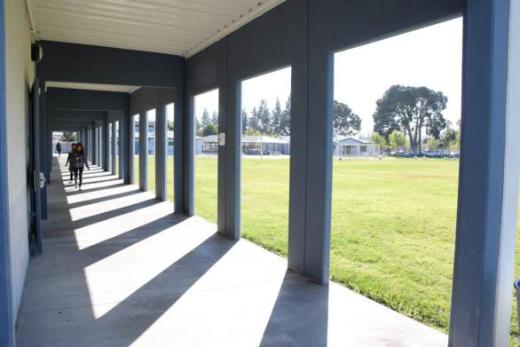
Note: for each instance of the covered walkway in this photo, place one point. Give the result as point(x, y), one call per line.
point(120, 269)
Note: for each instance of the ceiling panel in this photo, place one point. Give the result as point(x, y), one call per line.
point(182, 27)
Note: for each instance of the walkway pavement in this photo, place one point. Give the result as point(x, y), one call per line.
point(119, 269)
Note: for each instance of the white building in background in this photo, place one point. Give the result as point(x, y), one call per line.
point(351, 147)
point(251, 145)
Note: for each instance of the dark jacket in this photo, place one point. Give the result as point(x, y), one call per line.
point(77, 161)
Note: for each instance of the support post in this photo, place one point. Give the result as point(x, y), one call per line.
point(488, 179)
point(130, 139)
point(160, 153)
point(113, 152)
point(143, 151)
point(231, 160)
point(106, 145)
point(121, 148)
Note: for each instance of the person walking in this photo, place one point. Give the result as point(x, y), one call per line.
point(58, 148)
point(78, 162)
point(68, 162)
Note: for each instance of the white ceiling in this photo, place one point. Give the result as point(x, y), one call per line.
point(92, 86)
point(181, 27)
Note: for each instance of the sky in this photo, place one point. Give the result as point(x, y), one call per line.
point(430, 57)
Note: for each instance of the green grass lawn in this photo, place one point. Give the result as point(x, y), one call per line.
point(393, 226)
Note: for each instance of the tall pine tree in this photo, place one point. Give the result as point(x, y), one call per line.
point(264, 116)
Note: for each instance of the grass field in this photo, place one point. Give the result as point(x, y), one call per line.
point(393, 226)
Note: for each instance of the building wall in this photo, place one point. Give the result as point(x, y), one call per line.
point(20, 73)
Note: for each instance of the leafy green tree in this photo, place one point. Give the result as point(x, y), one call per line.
point(380, 140)
point(68, 136)
point(450, 138)
point(411, 110)
point(209, 129)
point(345, 122)
point(433, 144)
point(397, 140)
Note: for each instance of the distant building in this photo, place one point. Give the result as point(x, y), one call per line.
point(151, 139)
point(351, 147)
point(251, 145)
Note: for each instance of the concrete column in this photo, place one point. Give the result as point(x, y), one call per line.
point(488, 181)
point(143, 151)
point(160, 153)
point(127, 143)
point(106, 146)
point(121, 148)
point(298, 168)
point(131, 150)
point(94, 145)
point(113, 148)
point(229, 157)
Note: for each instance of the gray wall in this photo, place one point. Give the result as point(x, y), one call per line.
point(19, 76)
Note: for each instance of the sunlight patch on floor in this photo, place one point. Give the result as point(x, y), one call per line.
point(114, 278)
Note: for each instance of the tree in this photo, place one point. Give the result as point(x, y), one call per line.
point(214, 119)
point(264, 117)
point(198, 127)
point(411, 110)
point(254, 120)
point(345, 122)
point(433, 144)
point(380, 140)
point(205, 121)
point(284, 125)
point(277, 118)
point(209, 129)
point(245, 123)
point(397, 140)
point(450, 138)
point(170, 125)
point(68, 137)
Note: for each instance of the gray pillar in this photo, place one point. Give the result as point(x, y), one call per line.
point(121, 149)
point(298, 168)
point(143, 151)
point(113, 148)
point(106, 146)
point(319, 166)
point(128, 157)
point(96, 145)
point(488, 181)
point(131, 150)
point(230, 158)
point(160, 153)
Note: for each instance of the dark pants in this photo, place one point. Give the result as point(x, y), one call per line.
point(78, 172)
point(71, 173)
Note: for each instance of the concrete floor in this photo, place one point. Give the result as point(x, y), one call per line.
point(119, 269)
